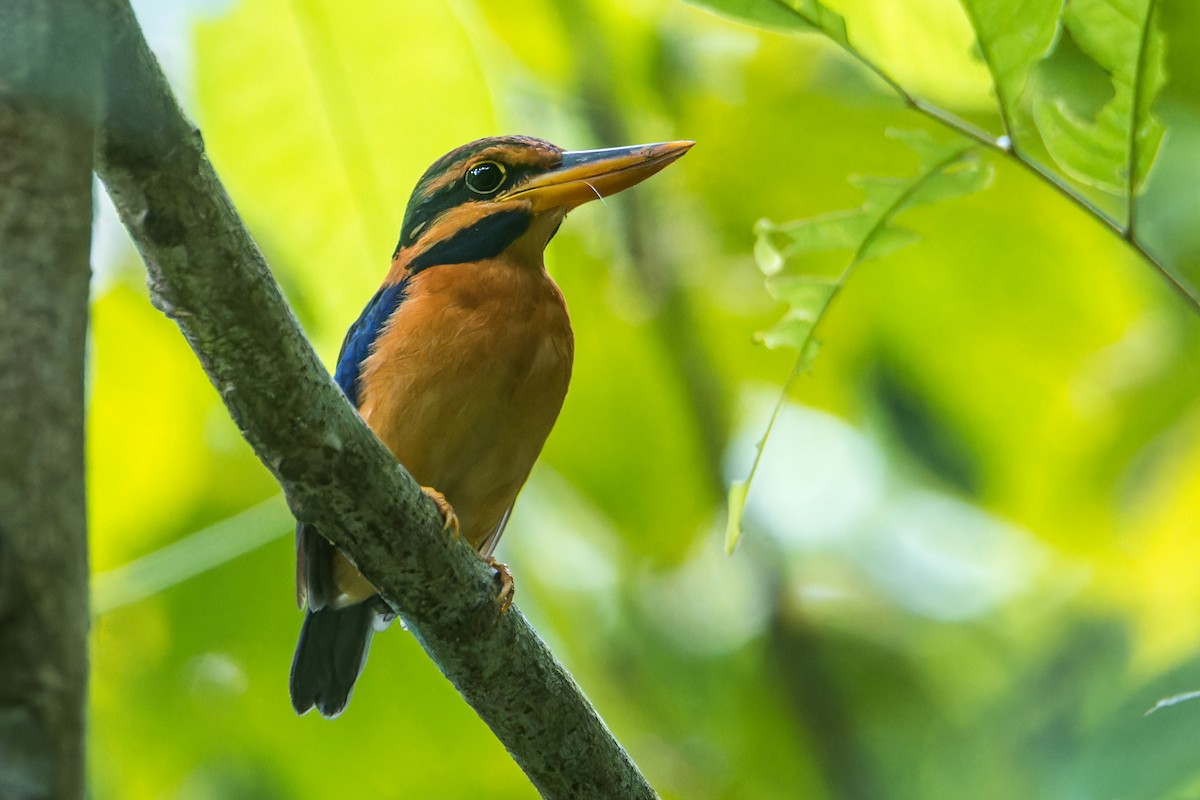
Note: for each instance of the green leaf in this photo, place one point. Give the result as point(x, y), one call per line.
point(1012, 37)
point(803, 293)
point(887, 241)
point(766, 254)
point(947, 171)
point(811, 16)
point(1091, 151)
point(736, 503)
point(870, 231)
point(807, 298)
point(951, 171)
point(1114, 148)
point(793, 330)
point(930, 149)
point(960, 178)
point(820, 16)
point(841, 230)
point(767, 13)
point(1148, 129)
point(881, 193)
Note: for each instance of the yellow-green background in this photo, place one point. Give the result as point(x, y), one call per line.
point(971, 554)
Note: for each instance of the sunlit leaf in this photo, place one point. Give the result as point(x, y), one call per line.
point(820, 16)
point(882, 192)
point(804, 294)
point(947, 171)
point(790, 331)
point(930, 149)
point(1151, 76)
point(807, 298)
point(962, 177)
point(887, 241)
point(1090, 151)
point(768, 13)
point(950, 172)
point(1012, 37)
point(840, 230)
point(1114, 149)
point(797, 15)
point(766, 254)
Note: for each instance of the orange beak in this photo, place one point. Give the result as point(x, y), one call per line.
point(587, 175)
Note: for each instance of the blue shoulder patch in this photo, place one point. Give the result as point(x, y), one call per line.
point(362, 335)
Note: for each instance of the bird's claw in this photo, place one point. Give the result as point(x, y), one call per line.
point(449, 518)
point(508, 586)
point(450, 523)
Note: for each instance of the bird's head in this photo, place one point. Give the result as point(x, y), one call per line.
point(484, 197)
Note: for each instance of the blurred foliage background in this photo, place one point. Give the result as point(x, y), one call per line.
point(969, 559)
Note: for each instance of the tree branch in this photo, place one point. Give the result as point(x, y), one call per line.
point(48, 60)
point(208, 275)
point(1008, 147)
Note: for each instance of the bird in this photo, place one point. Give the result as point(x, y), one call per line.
point(459, 364)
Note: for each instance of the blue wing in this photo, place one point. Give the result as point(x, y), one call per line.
point(314, 563)
point(362, 335)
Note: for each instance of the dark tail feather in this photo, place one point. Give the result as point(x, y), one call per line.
point(329, 656)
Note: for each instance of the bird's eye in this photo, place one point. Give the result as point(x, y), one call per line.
point(486, 177)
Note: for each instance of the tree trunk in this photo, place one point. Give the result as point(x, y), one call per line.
point(48, 82)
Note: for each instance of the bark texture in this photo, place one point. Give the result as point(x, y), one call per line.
point(208, 275)
point(48, 83)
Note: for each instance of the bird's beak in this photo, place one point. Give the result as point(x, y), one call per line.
point(587, 175)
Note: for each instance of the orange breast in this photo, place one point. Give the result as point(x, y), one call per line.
point(467, 380)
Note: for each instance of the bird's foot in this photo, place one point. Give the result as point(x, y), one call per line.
point(449, 518)
point(508, 587)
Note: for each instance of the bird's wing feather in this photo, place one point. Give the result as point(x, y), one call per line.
point(489, 544)
point(314, 553)
point(362, 335)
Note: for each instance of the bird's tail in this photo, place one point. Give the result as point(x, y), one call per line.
point(329, 657)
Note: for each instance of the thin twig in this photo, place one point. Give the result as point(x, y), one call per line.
point(1002, 100)
point(855, 259)
point(1005, 146)
point(1131, 169)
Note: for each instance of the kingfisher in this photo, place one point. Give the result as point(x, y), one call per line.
point(459, 364)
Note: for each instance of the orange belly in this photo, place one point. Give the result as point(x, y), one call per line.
point(464, 385)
